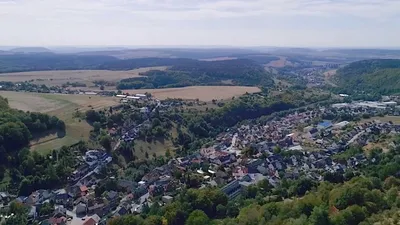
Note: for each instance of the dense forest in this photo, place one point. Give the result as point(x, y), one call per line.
point(49, 61)
point(381, 76)
point(20, 62)
point(193, 72)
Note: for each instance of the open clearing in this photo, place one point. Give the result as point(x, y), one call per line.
point(394, 119)
point(282, 62)
point(203, 93)
point(59, 77)
point(62, 106)
point(330, 73)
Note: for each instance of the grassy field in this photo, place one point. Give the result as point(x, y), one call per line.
point(159, 147)
point(54, 78)
point(203, 93)
point(394, 119)
point(328, 75)
point(282, 62)
point(62, 106)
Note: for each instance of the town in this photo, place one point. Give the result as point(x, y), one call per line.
point(302, 142)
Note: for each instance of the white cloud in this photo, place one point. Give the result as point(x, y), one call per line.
point(186, 21)
point(176, 9)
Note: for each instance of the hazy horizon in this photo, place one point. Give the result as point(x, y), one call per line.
point(198, 23)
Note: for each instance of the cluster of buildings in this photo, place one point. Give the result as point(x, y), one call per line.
point(299, 144)
point(74, 203)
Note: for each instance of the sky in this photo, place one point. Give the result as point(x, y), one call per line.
point(282, 23)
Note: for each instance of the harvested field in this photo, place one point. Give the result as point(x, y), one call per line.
point(282, 62)
point(203, 93)
point(394, 119)
point(219, 59)
point(62, 106)
point(54, 78)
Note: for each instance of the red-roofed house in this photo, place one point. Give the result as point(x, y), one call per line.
point(84, 190)
point(92, 220)
point(57, 221)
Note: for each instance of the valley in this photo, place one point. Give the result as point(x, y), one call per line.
point(235, 130)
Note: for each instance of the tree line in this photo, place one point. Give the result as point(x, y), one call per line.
point(194, 72)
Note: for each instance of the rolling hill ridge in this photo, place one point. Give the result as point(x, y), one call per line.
point(380, 76)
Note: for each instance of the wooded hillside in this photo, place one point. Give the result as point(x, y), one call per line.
point(193, 72)
point(380, 76)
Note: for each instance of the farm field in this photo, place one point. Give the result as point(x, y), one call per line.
point(282, 62)
point(54, 78)
point(203, 93)
point(394, 119)
point(62, 106)
point(219, 59)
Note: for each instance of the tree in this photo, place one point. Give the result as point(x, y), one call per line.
point(232, 209)
point(353, 214)
point(153, 220)
point(20, 214)
point(168, 153)
point(60, 125)
point(96, 126)
point(304, 185)
point(126, 220)
point(25, 187)
point(277, 149)
point(174, 214)
point(105, 141)
point(46, 209)
point(197, 217)
point(17, 208)
point(319, 216)
point(17, 220)
point(93, 116)
point(250, 151)
point(221, 211)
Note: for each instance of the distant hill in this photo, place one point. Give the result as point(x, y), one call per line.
point(190, 72)
point(380, 76)
point(30, 50)
point(182, 72)
point(172, 53)
point(49, 61)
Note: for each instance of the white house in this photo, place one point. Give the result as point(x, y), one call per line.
point(144, 110)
